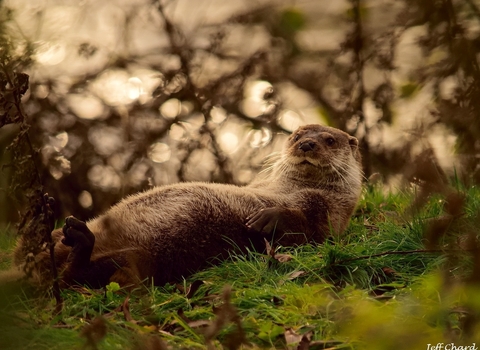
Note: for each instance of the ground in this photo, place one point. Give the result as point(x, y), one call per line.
point(381, 286)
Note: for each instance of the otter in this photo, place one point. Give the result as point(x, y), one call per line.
point(170, 232)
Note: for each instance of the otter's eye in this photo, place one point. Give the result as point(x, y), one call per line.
point(296, 138)
point(330, 141)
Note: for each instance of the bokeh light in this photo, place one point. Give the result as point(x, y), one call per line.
point(106, 139)
point(289, 120)
point(177, 132)
point(260, 138)
point(160, 152)
point(86, 106)
point(228, 141)
point(255, 103)
point(104, 177)
point(85, 199)
point(218, 114)
point(50, 53)
point(116, 87)
point(171, 108)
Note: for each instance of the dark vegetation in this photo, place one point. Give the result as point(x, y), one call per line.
point(199, 91)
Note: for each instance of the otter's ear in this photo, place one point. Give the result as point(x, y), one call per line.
point(353, 142)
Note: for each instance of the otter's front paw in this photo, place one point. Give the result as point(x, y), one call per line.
point(266, 221)
point(77, 233)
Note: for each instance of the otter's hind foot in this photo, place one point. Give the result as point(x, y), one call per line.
point(80, 238)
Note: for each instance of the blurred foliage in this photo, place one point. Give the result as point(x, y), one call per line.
point(291, 21)
point(167, 93)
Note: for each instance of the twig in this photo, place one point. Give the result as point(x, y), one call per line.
point(174, 37)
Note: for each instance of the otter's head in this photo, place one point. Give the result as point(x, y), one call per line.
point(321, 153)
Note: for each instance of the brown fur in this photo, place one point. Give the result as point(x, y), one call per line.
point(172, 231)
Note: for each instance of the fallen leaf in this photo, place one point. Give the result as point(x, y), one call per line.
point(268, 248)
point(295, 274)
point(283, 257)
point(292, 338)
point(389, 271)
point(279, 257)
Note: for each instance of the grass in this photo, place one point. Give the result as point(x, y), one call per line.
point(7, 240)
point(354, 292)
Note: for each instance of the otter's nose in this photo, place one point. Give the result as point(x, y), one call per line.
point(307, 146)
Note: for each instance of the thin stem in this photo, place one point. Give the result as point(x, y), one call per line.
point(403, 252)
